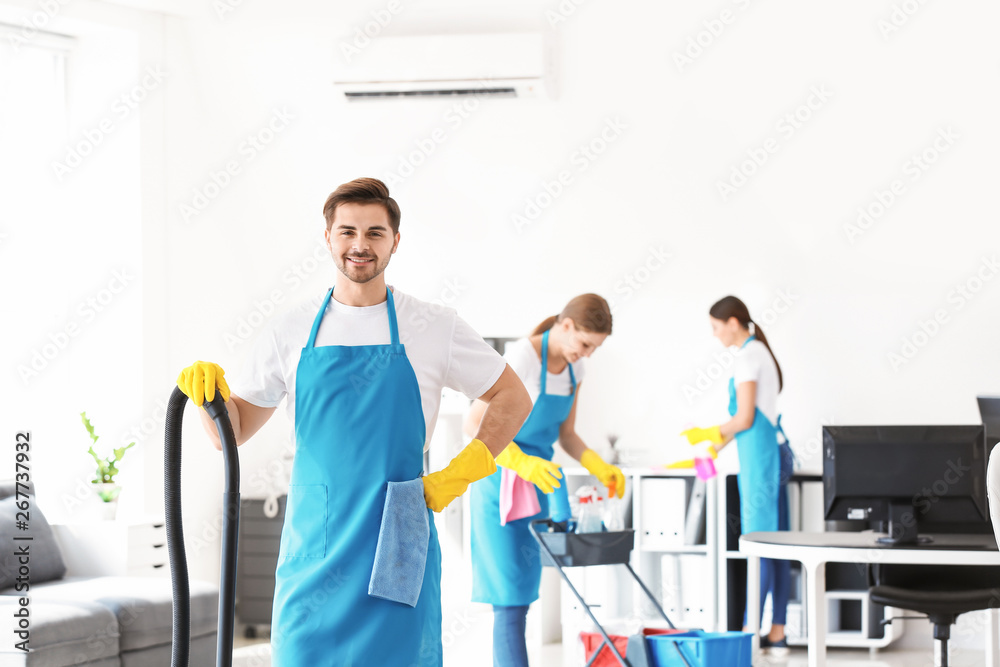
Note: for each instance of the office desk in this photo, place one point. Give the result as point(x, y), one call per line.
point(815, 550)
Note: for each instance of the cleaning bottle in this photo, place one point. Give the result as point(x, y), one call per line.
point(613, 519)
point(589, 519)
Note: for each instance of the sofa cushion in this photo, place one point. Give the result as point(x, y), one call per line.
point(61, 633)
point(45, 561)
point(201, 652)
point(142, 605)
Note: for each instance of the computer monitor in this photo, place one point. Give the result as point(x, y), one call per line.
point(989, 408)
point(905, 476)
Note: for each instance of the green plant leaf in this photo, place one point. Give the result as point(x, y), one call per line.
point(89, 426)
point(120, 452)
point(97, 458)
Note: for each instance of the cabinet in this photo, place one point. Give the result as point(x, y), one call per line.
point(260, 537)
point(136, 547)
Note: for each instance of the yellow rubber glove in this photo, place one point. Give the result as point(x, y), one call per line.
point(472, 463)
point(696, 435)
point(607, 474)
point(198, 382)
point(689, 463)
point(540, 472)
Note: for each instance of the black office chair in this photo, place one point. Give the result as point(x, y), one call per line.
point(940, 592)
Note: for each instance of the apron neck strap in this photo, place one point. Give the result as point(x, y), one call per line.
point(319, 319)
point(390, 306)
point(545, 361)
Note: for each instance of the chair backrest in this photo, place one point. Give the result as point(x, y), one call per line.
point(993, 490)
point(938, 577)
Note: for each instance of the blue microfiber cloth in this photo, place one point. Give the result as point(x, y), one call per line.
point(401, 554)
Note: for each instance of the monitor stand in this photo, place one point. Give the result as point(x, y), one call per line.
point(902, 527)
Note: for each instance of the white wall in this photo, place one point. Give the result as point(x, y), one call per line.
point(847, 305)
point(778, 241)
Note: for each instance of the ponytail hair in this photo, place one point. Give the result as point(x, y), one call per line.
point(730, 306)
point(589, 312)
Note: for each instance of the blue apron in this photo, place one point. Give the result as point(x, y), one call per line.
point(506, 563)
point(760, 468)
point(358, 425)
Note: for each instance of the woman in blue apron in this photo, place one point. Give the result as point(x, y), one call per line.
point(765, 463)
point(506, 564)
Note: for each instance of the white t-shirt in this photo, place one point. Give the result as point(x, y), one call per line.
point(443, 350)
point(526, 363)
point(754, 364)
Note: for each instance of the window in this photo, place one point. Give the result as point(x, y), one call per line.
point(69, 258)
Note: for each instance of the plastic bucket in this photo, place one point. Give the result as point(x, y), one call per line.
point(702, 649)
point(592, 640)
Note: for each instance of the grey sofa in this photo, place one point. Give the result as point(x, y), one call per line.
point(92, 621)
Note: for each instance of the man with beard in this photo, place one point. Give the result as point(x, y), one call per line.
point(362, 368)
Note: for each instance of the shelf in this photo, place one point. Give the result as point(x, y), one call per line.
point(735, 554)
point(848, 639)
point(847, 594)
point(687, 549)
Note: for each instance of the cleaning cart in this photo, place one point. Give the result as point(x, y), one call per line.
point(561, 549)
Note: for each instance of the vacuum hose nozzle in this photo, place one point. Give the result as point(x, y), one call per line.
point(181, 638)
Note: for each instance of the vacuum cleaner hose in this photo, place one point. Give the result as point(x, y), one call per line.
point(181, 638)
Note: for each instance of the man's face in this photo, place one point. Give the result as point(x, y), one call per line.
point(361, 241)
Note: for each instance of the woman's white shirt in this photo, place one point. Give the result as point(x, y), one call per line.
point(523, 359)
point(754, 364)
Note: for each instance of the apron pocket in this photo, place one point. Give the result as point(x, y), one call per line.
point(306, 523)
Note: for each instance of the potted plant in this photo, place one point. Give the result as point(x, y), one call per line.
point(104, 482)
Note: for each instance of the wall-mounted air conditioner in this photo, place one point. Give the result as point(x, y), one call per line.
point(507, 64)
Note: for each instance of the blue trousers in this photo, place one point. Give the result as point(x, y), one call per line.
point(509, 646)
point(776, 575)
